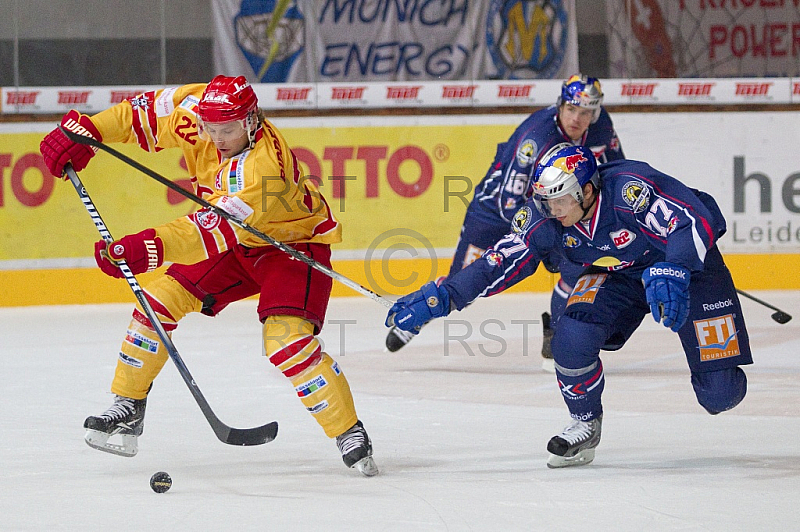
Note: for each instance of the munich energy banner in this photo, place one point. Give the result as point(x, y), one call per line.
point(299, 41)
point(703, 38)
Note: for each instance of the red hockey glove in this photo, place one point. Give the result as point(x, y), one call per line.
point(143, 252)
point(57, 150)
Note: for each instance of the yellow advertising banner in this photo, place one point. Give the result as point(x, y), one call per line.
point(381, 179)
point(380, 182)
point(42, 217)
point(399, 189)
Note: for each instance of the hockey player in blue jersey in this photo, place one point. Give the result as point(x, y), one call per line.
point(645, 243)
point(578, 118)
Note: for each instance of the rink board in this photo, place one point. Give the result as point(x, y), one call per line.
point(90, 285)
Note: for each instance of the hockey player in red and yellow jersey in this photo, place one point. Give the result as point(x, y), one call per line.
point(244, 166)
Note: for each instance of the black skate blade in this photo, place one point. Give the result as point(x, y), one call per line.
point(254, 436)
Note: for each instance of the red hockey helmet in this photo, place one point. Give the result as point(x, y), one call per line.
point(226, 99)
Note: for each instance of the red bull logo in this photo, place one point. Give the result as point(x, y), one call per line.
point(571, 162)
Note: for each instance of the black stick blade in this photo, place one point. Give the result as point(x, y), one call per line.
point(781, 317)
point(255, 436)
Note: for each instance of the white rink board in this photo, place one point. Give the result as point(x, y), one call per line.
point(467, 93)
point(703, 149)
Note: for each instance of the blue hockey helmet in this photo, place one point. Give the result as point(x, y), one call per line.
point(562, 171)
point(582, 91)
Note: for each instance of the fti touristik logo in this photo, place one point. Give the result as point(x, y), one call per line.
point(717, 338)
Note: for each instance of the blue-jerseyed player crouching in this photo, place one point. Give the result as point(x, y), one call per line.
point(642, 242)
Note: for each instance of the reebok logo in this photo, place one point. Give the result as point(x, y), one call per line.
point(718, 305)
point(669, 272)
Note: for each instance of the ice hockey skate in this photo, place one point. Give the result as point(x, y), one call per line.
point(356, 449)
point(575, 445)
point(396, 339)
point(547, 351)
point(124, 418)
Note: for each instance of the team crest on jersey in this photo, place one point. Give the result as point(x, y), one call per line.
point(526, 153)
point(586, 288)
point(141, 101)
point(637, 195)
point(494, 258)
point(569, 241)
point(207, 220)
point(521, 220)
point(622, 238)
point(716, 338)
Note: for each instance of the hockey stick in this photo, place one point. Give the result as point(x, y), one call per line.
point(89, 141)
point(779, 315)
point(226, 434)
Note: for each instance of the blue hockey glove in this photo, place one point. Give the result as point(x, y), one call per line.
point(416, 309)
point(667, 289)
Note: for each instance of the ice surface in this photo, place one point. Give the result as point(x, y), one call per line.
point(459, 432)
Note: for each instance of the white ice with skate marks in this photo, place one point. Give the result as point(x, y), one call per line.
point(459, 439)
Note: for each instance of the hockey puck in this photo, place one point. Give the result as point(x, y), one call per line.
point(160, 482)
